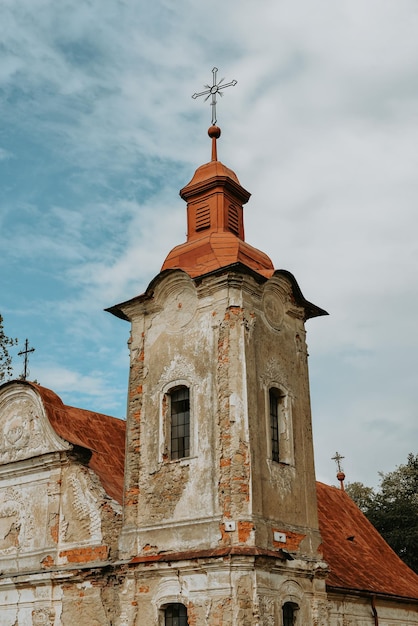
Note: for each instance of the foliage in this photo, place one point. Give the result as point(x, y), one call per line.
point(393, 508)
point(362, 495)
point(5, 358)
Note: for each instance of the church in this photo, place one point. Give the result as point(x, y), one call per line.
point(202, 508)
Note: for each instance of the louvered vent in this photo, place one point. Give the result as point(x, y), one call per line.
point(233, 222)
point(202, 217)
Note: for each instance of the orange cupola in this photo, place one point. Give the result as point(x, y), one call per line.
point(215, 222)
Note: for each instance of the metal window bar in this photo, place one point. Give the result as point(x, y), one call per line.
point(180, 423)
point(176, 615)
point(274, 423)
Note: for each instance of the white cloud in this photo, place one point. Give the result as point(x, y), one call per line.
point(321, 128)
point(71, 384)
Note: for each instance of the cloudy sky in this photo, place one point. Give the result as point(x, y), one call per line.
point(99, 132)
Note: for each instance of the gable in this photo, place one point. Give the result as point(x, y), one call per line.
point(54, 508)
point(25, 431)
point(35, 421)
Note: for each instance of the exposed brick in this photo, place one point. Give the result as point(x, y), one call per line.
point(85, 555)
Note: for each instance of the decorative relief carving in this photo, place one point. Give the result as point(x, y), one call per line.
point(21, 436)
point(266, 610)
point(179, 308)
point(16, 523)
point(24, 430)
point(43, 617)
point(273, 307)
point(85, 503)
point(81, 514)
point(291, 591)
point(177, 297)
point(179, 369)
point(278, 302)
point(273, 373)
point(15, 432)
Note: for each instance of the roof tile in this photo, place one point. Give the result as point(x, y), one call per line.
point(358, 556)
point(102, 434)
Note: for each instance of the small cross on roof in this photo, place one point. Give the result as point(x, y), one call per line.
point(212, 90)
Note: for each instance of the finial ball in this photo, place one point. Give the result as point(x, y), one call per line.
point(341, 476)
point(214, 132)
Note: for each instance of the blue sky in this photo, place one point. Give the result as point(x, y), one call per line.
point(99, 133)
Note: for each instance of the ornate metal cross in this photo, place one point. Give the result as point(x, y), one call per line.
point(26, 351)
point(212, 91)
point(338, 458)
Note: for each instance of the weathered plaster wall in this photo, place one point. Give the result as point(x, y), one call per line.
point(284, 497)
point(346, 610)
point(228, 338)
point(183, 344)
point(222, 592)
point(55, 521)
point(72, 596)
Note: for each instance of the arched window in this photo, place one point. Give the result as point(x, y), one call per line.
point(276, 402)
point(280, 422)
point(180, 423)
point(289, 613)
point(175, 615)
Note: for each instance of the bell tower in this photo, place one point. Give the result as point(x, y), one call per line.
point(220, 500)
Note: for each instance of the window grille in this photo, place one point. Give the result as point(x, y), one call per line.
point(180, 423)
point(274, 423)
point(175, 615)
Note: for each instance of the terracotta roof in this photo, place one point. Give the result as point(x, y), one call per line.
point(215, 222)
point(102, 434)
point(215, 250)
point(358, 556)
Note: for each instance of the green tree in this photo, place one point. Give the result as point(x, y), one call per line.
point(393, 508)
point(362, 495)
point(5, 357)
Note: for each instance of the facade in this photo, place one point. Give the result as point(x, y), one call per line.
point(201, 509)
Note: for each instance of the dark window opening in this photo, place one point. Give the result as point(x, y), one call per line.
point(180, 423)
point(275, 399)
point(289, 614)
point(175, 615)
